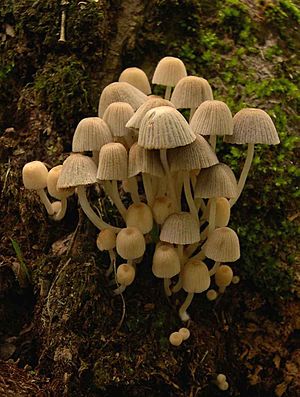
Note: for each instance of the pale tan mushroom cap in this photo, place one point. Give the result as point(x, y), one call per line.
point(52, 179)
point(91, 134)
point(120, 92)
point(196, 155)
point(35, 175)
point(113, 161)
point(116, 116)
point(253, 126)
point(125, 274)
point(144, 160)
point(212, 118)
point(162, 207)
point(185, 333)
point(180, 228)
point(106, 240)
point(165, 262)
point(77, 170)
point(175, 339)
point(222, 211)
point(190, 92)
point(164, 128)
point(130, 243)
point(195, 276)
point(169, 71)
point(140, 216)
point(216, 181)
point(223, 276)
point(136, 77)
point(151, 103)
point(222, 245)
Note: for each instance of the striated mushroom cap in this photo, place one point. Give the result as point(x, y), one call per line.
point(253, 126)
point(194, 156)
point(222, 245)
point(140, 216)
point(144, 160)
point(195, 276)
point(169, 71)
point(35, 175)
point(52, 179)
point(136, 77)
point(212, 118)
point(151, 103)
point(181, 228)
point(120, 92)
point(164, 128)
point(216, 181)
point(190, 92)
point(116, 116)
point(112, 162)
point(165, 262)
point(91, 134)
point(130, 243)
point(77, 170)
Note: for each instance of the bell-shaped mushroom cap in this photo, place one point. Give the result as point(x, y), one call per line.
point(223, 276)
point(216, 181)
point(253, 126)
point(144, 160)
point(195, 276)
point(222, 245)
point(164, 128)
point(77, 170)
point(106, 240)
point(169, 71)
point(130, 243)
point(152, 102)
point(91, 134)
point(194, 156)
point(190, 92)
point(212, 118)
point(136, 77)
point(125, 274)
point(116, 116)
point(222, 211)
point(112, 162)
point(181, 228)
point(140, 216)
point(120, 92)
point(52, 179)
point(162, 207)
point(35, 175)
point(165, 262)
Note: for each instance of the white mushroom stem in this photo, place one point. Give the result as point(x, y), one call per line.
point(167, 283)
point(204, 233)
point(111, 188)
point(120, 289)
point(58, 215)
point(192, 112)
point(168, 93)
point(200, 255)
point(182, 311)
point(148, 188)
point(191, 249)
point(213, 142)
point(44, 199)
point(62, 37)
point(244, 174)
point(214, 268)
point(177, 287)
point(112, 256)
point(189, 196)
point(172, 190)
point(200, 204)
point(133, 190)
point(178, 180)
point(212, 215)
point(89, 212)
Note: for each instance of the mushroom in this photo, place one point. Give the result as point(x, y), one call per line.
point(136, 77)
point(34, 176)
point(168, 72)
point(211, 295)
point(106, 241)
point(222, 211)
point(223, 277)
point(212, 118)
point(125, 276)
point(251, 126)
point(80, 171)
point(140, 216)
point(166, 264)
point(130, 243)
point(175, 338)
point(162, 207)
point(190, 92)
point(185, 333)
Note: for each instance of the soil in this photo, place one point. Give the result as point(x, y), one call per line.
point(64, 333)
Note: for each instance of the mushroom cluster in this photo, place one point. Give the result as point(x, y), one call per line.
point(178, 195)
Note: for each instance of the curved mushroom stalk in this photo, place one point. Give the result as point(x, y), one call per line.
point(214, 269)
point(130, 186)
point(60, 209)
point(111, 189)
point(45, 200)
point(167, 282)
point(244, 174)
point(148, 188)
point(112, 256)
point(168, 92)
point(177, 287)
point(125, 276)
point(183, 309)
point(189, 196)
point(165, 164)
